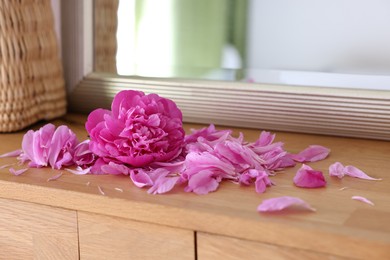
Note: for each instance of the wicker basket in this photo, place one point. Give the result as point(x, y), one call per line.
point(31, 78)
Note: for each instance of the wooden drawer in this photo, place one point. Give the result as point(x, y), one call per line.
point(219, 247)
point(103, 237)
point(31, 231)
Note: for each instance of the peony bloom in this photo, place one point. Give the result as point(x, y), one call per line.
point(139, 130)
point(49, 146)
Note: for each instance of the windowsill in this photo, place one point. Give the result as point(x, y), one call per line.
point(340, 227)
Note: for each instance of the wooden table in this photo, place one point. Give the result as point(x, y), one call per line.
point(69, 219)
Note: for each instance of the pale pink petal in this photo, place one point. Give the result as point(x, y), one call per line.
point(17, 172)
point(79, 171)
point(203, 182)
point(343, 188)
point(357, 173)
point(119, 189)
point(163, 185)
point(6, 165)
point(101, 191)
point(114, 168)
point(311, 154)
point(337, 170)
point(55, 177)
point(281, 203)
point(363, 199)
point(141, 179)
point(306, 177)
point(12, 154)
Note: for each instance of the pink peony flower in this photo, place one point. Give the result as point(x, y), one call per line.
point(139, 130)
point(49, 146)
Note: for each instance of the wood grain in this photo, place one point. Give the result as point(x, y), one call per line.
point(231, 211)
point(29, 231)
point(103, 237)
point(212, 247)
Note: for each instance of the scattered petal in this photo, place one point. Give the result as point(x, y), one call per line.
point(11, 154)
point(306, 177)
point(363, 199)
point(343, 188)
point(88, 183)
point(17, 172)
point(163, 185)
point(55, 177)
point(6, 165)
point(119, 189)
point(281, 203)
point(101, 190)
point(311, 154)
point(79, 171)
point(357, 173)
point(337, 170)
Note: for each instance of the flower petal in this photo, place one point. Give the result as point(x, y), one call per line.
point(163, 185)
point(311, 154)
point(337, 170)
point(79, 171)
point(306, 177)
point(363, 199)
point(357, 173)
point(17, 172)
point(281, 203)
point(141, 178)
point(203, 182)
point(12, 154)
point(55, 177)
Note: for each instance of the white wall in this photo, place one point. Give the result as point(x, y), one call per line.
point(320, 35)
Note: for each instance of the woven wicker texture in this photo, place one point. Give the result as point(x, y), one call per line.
point(31, 78)
point(105, 23)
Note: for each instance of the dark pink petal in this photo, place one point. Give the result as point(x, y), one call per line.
point(17, 172)
point(97, 166)
point(311, 154)
point(306, 177)
point(96, 117)
point(337, 170)
point(281, 203)
point(357, 173)
point(363, 199)
point(12, 154)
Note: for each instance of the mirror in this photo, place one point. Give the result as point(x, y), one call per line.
point(312, 43)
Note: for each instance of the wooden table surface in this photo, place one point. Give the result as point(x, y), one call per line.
point(340, 226)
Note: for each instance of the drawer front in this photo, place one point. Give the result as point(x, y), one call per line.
point(103, 237)
point(219, 247)
point(31, 231)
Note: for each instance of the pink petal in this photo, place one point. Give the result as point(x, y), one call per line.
point(55, 177)
point(311, 154)
point(6, 165)
point(163, 185)
point(281, 203)
point(141, 179)
point(306, 177)
point(119, 189)
point(203, 182)
point(337, 170)
point(262, 181)
point(79, 170)
point(363, 199)
point(17, 172)
point(114, 168)
point(357, 173)
point(12, 154)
